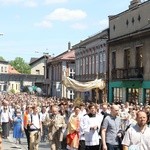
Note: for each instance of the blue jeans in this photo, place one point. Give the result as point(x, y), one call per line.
point(113, 147)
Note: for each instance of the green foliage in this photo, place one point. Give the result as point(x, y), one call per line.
point(21, 66)
point(2, 59)
point(12, 91)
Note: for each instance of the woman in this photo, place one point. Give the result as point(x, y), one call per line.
point(73, 130)
point(18, 127)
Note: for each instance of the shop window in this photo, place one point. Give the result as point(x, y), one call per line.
point(133, 95)
point(147, 96)
point(117, 95)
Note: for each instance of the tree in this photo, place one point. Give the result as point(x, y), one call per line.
point(2, 59)
point(20, 65)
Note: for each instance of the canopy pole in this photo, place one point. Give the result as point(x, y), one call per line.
point(97, 94)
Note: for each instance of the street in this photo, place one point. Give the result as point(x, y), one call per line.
point(9, 144)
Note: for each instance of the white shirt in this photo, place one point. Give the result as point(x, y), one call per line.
point(5, 116)
point(134, 137)
point(92, 136)
point(36, 120)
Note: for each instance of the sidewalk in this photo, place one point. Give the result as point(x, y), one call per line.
point(9, 144)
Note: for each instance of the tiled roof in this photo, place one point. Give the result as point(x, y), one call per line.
point(12, 70)
point(67, 55)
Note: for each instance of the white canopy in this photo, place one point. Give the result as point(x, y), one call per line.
point(84, 86)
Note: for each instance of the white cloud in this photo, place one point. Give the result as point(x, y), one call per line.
point(103, 24)
point(79, 26)
point(55, 1)
point(44, 24)
point(62, 14)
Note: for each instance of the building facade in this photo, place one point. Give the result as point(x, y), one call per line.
point(59, 67)
point(38, 67)
point(129, 43)
point(91, 63)
point(3, 70)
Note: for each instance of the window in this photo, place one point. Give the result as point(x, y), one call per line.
point(90, 64)
point(133, 95)
point(97, 64)
point(37, 72)
point(71, 94)
point(87, 66)
point(101, 62)
point(93, 64)
point(5, 69)
point(113, 60)
point(2, 69)
point(104, 62)
point(77, 67)
point(71, 73)
point(139, 57)
point(81, 66)
point(147, 96)
point(126, 58)
point(117, 95)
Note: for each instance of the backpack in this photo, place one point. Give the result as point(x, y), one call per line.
point(28, 126)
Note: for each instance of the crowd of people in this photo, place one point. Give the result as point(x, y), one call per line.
point(70, 126)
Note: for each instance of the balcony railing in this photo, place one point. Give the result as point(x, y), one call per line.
point(130, 73)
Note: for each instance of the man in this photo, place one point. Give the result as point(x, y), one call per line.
point(56, 125)
point(110, 129)
point(138, 136)
point(43, 115)
point(35, 128)
point(5, 121)
point(92, 123)
point(25, 122)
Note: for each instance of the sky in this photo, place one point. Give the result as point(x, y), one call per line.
point(30, 28)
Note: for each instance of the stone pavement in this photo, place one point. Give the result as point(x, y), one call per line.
point(9, 144)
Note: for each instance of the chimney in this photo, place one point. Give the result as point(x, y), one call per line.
point(69, 46)
point(134, 4)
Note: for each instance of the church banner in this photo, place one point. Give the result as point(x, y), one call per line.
point(84, 86)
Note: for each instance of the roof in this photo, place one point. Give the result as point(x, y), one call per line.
point(34, 60)
point(67, 55)
point(3, 62)
point(12, 70)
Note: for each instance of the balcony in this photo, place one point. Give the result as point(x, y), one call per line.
point(130, 73)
